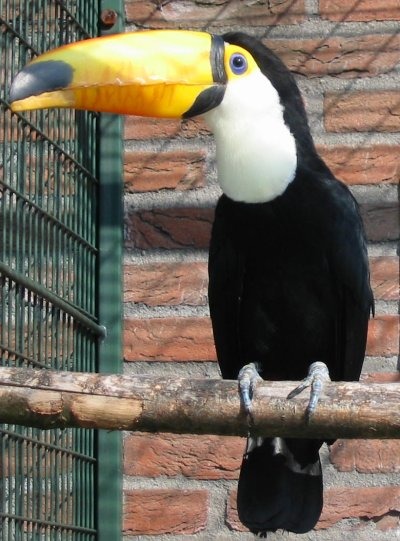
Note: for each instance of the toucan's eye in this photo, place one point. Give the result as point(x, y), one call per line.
point(238, 63)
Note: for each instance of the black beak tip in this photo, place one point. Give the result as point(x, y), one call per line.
point(41, 77)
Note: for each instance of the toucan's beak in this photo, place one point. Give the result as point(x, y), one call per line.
point(162, 73)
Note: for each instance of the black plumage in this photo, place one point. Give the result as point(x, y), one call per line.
point(289, 285)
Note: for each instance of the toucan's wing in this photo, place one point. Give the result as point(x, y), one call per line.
point(226, 276)
point(349, 266)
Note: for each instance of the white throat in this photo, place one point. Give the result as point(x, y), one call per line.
point(256, 152)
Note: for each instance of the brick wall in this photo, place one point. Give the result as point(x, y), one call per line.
point(346, 55)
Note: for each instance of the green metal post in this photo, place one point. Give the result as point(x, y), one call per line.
point(109, 483)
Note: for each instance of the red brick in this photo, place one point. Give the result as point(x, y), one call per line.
point(165, 511)
point(232, 518)
point(381, 220)
point(160, 284)
point(359, 10)
point(381, 377)
point(383, 336)
point(366, 456)
point(365, 504)
point(177, 169)
point(198, 457)
point(218, 15)
point(355, 57)
point(362, 111)
point(385, 276)
point(169, 339)
point(139, 128)
point(388, 522)
point(173, 228)
point(363, 165)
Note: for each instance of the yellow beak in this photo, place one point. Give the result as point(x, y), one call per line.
point(162, 73)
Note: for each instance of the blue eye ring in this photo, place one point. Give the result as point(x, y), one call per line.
point(238, 63)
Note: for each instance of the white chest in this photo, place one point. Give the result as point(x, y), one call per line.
point(256, 152)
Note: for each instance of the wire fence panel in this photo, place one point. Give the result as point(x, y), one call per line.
point(48, 268)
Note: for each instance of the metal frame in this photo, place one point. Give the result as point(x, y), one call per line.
point(60, 282)
point(109, 511)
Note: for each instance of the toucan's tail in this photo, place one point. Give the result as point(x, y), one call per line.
point(280, 485)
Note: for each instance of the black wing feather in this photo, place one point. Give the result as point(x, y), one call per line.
point(226, 269)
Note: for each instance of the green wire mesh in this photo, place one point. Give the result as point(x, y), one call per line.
point(48, 266)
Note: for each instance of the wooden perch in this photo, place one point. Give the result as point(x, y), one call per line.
point(49, 399)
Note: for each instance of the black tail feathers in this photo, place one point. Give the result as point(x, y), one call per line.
point(280, 485)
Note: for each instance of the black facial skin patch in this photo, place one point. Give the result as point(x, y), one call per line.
point(205, 101)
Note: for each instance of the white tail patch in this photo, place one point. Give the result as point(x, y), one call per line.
point(252, 443)
point(280, 448)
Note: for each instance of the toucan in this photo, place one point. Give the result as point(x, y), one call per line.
point(289, 290)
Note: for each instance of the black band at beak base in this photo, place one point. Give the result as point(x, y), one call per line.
point(217, 54)
point(210, 98)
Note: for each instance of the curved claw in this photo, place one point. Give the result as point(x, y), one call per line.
point(247, 379)
point(318, 374)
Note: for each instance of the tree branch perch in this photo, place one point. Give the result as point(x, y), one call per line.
point(49, 399)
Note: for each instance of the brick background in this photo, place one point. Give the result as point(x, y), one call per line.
point(218, 15)
point(359, 10)
point(377, 111)
point(159, 511)
point(345, 57)
point(178, 170)
point(365, 504)
point(345, 54)
point(196, 457)
point(170, 228)
point(175, 339)
point(363, 165)
point(366, 456)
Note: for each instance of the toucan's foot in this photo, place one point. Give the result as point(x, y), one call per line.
point(318, 374)
point(248, 378)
